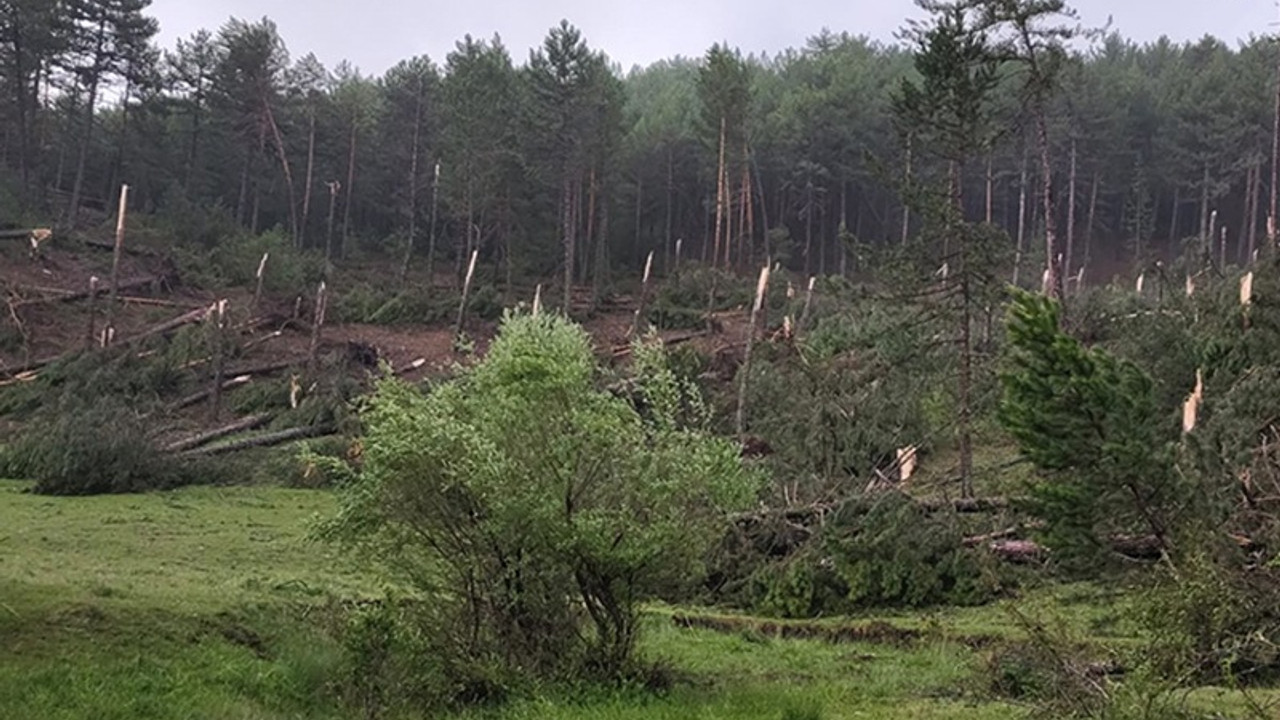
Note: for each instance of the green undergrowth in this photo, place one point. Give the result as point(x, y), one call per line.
point(211, 602)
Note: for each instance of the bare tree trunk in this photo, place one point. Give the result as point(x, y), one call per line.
point(1255, 201)
point(639, 210)
point(1071, 214)
point(1053, 260)
point(744, 202)
point(728, 218)
point(466, 290)
point(288, 172)
point(73, 211)
point(306, 197)
point(219, 358)
point(1173, 220)
point(666, 245)
point(741, 416)
point(413, 188)
point(567, 225)
point(351, 182)
point(431, 234)
point(1089, 225)
point(906, 207)
point(1275, 156)
point(317, 326)
point(242, 199)
point(77, 187)
point(599, 273)
point(990, 187)
point(109, 330)
point(334, 187)
point(1243, 251)
point(1022, 219)
point(720, 193)
point(588, 246)
point(749, 198)
point(1204, 210)
point(808, 229)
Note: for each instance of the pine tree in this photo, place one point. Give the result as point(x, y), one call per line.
point(1091, 424)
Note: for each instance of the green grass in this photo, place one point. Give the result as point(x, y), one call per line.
point(212, 603)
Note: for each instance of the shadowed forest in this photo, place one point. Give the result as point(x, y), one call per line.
point(926, 379)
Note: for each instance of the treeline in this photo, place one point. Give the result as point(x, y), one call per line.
point(560, 164)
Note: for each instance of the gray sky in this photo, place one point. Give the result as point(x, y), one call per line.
point(375, 34)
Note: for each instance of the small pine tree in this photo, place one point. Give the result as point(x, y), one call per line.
point(1092, 425)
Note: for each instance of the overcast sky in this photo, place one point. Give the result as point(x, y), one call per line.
point(375, 34)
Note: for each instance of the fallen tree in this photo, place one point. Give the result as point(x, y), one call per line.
point(55, 295)
point(252, 422)
point(270, 439)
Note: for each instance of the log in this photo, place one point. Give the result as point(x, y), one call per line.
point(410, 367)
point(203, 395)
point(270, 439)
point(60, 295)
point(252, 422)
point(194, 316)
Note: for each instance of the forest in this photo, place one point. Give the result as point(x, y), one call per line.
point(927, 378)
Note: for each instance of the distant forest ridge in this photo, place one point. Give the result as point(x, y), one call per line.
point(558, 164)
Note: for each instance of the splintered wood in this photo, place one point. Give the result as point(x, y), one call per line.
point(1191, 407)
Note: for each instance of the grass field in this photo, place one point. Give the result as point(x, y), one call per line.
point(209, 603)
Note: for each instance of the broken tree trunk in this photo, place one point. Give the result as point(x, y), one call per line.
point(644, 292)
point(115, 262)
point(203, 395)
point(93, 294)
point(466, 290)
point(761, 287)
point(257, 289)
point(219, 358)
point(249, 423)
point(322, 300)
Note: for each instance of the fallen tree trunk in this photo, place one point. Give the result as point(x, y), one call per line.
point(270, 439)
point(60, 295)
point(168, 326)
point(194, 398)
point(252, 422)
point(409, 368)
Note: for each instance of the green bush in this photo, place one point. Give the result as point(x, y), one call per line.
point(70, 452)
point(520, 496)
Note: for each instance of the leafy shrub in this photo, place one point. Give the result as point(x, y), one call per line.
point(519, 495)
point(1213, 623)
